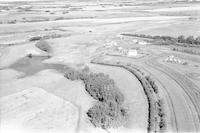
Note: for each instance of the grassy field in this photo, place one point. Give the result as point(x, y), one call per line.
point(29, 110)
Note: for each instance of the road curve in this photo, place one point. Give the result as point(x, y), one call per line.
point(184, 94)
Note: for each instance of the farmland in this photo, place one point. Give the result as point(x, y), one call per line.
point(99, 66)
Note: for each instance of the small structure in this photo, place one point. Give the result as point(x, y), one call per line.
point(142, 42)
point(132, 53)
point(175, 60)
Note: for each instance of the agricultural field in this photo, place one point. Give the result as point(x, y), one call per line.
point(85, 66)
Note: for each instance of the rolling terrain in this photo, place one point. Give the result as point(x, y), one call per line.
point(35, 95)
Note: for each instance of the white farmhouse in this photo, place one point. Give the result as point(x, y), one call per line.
point(132, 53)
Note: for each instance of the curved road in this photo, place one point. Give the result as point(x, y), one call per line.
point(183, 96)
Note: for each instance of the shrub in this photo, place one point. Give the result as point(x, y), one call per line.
point(185, 63)
point(181, 39)
point(86, 69)
point(190, 40)
point(72, 74)
point(36, 38)
point(174, 49)
point(197, 40)
point(152, 83)
point(43, 45)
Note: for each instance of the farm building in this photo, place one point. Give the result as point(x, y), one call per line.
point(132, 53)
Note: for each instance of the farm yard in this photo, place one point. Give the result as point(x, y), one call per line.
point(99, 66)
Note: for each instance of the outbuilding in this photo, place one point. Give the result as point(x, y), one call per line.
point(132, 53)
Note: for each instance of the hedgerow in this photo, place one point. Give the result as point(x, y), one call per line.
point(152, 83)
point(35, 38)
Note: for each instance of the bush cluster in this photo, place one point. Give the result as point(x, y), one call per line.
point(108, 112)
point(189, 40)
point(43, 45)
point(102, 88)
point(159, 103)
point(35, 38)
point(107, 115)
point(161, 114)
point(152, 83)
point(98, 85)
point(72, 74)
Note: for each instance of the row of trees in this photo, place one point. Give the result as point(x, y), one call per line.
point(149, 92)
point(171, 40)
point(156, 104)
point(186, 50)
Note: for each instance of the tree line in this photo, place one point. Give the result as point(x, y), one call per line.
point(167, 40)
